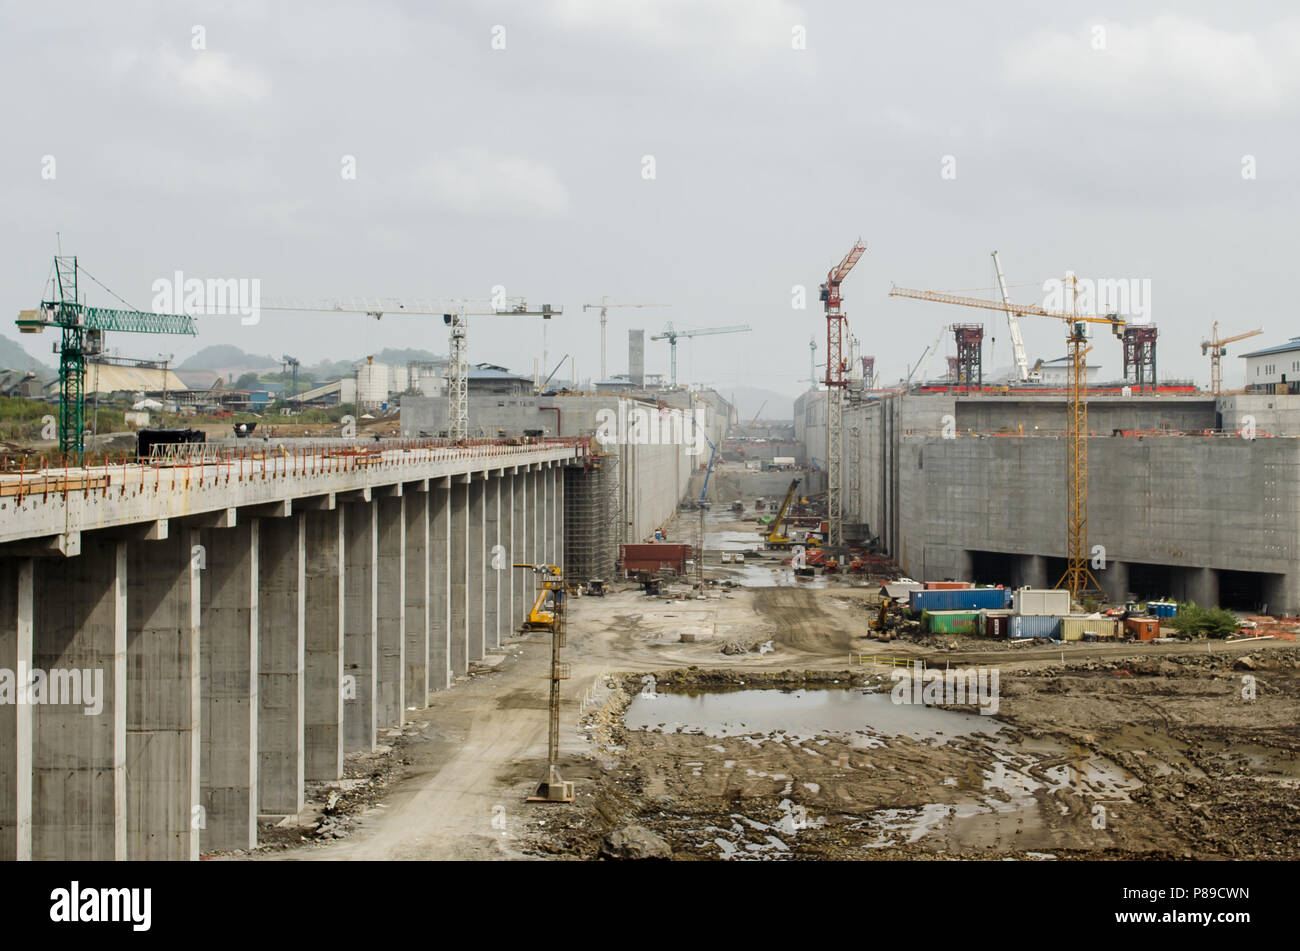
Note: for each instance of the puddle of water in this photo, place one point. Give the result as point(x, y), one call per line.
point(801, 715)
point(733, 541)
point(998, 802)
point(765, 574)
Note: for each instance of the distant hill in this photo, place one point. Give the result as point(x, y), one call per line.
point(221, 356)
point(749, 399)
point(14, 357)
point(401, 357)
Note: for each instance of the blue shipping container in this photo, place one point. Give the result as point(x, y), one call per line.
point(959, 599)
point(1034, 625)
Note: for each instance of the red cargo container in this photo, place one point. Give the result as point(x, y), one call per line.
point(648, 559)
point(1143, 628)
point(997, 625)
point(948, 585)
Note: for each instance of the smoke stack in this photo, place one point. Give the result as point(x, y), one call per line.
point(636, 357)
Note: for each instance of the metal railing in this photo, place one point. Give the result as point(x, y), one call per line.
point(23, 477)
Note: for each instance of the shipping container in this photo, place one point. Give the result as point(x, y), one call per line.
point(1045, 601)
point(1073, 628)
point(965, 599)
point(648, 559)
point(950, 622)
point(948, 585)
point(1142, 628)
point(996, 625)
point(1162, 608)
point(1035, 625)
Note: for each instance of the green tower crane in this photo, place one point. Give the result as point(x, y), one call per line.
point(83, 328)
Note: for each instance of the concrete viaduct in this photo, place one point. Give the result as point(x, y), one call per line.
point(252, 618)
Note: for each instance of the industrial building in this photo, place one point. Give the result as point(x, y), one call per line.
point(1274, 369)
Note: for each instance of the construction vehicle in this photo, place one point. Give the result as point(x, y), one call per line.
point(775, 540)
point(671, 336)
point(1017, 340)
point(881, 623)
point(541, 617)
point(1078, 578)
point(82, 330)
point(1216, 348)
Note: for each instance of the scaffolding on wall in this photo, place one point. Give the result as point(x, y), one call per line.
point(591, 530)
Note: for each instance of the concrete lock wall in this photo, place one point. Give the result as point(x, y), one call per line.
point(652, 477)
point(1198, 508)
point(224, 654)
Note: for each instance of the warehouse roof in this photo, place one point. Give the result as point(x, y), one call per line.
point(1292, 344)
point(107, 378)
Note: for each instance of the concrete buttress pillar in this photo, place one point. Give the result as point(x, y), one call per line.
point(458, 558)
point(16, 608)
point(1034, 571)
point(78, 760)
point(509, 581)
point(560, 520)
point(1114, 579)
point(360, 596)
point(1202, 586)
point(390, 630)
point(281, 678)
point(323, 645)
point(544, 503)
point(521, 553)
point(165, 818)
point(536, 553)
point(418, 597)
point(440, 627)
point(478, 555)
point(229, 635)
point(495, 565)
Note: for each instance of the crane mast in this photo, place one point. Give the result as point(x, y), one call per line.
point(81, 329)
point(836, 381)
point(1078, 577)
point(603, 307)
point(453, 311)
point(1216, 348)
point(671, 335)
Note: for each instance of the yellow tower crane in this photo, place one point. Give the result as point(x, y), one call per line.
point(1217, 348)
point(1078, 579)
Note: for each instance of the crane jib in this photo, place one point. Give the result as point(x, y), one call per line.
point(128, 321)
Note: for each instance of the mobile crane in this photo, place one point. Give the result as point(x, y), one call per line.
point(775, 540)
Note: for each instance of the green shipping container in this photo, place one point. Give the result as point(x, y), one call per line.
point(950, 622)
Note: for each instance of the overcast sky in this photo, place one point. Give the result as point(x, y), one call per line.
point(525, 167)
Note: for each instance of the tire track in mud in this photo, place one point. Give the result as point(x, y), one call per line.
point(800, 621)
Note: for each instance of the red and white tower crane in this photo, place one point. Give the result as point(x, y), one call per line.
point(836, 381)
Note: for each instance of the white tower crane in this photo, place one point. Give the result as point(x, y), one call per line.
point(453, 312)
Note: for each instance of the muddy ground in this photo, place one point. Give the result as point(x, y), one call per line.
point(1095, 750)
point(1130, 758)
